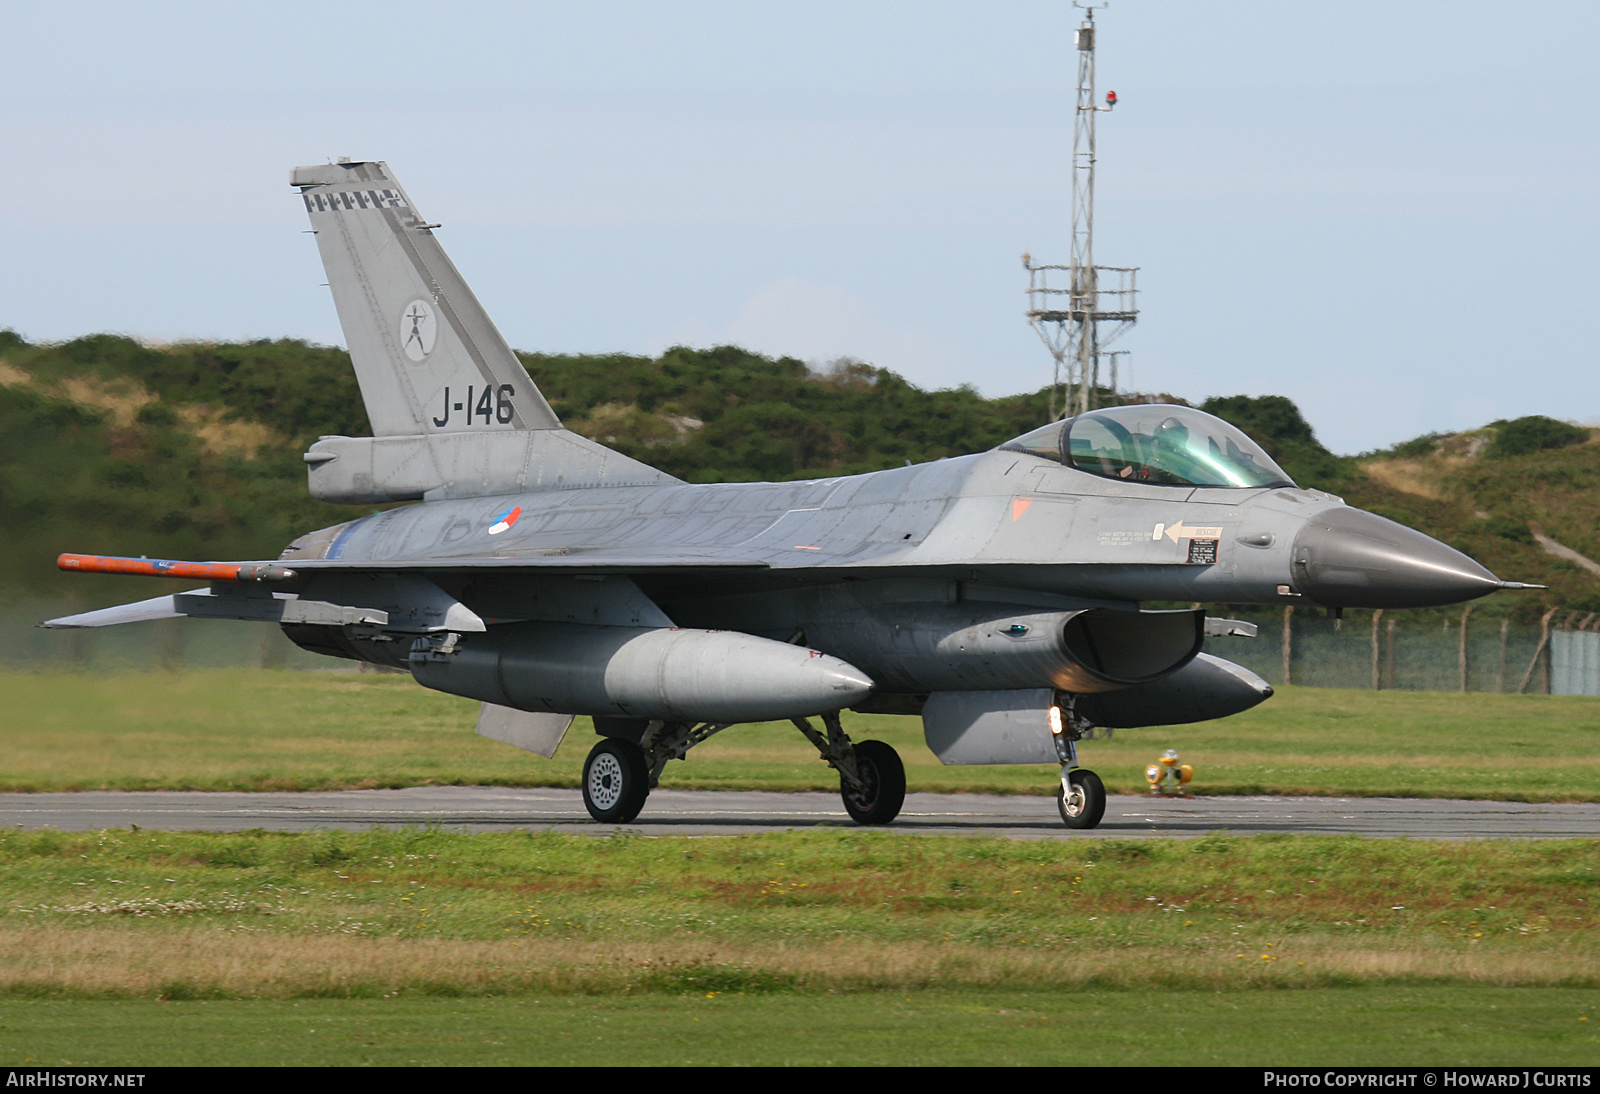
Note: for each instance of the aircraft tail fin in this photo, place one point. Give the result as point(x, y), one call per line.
point(428, 358)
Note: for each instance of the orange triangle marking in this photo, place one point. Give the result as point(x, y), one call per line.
point(1019, 506)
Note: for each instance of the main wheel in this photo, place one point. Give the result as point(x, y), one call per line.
point(880, 768)
point(616, 781)
point(1084, 803)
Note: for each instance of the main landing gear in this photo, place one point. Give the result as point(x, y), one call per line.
point(616, 781)
point(619, 773)
point(872, 779)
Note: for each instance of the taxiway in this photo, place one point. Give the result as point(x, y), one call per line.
point(713, 813)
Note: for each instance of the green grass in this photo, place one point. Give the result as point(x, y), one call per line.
point(1417, 1026)
point(278, 730)
point(137, 948)
point(374, 914)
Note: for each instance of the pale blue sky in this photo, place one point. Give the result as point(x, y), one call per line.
point(1385, 211)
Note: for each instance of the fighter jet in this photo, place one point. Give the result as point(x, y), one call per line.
point(995, 595)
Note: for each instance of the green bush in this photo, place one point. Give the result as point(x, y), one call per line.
point(1276, 424)
point(1416, 447)
point(1534, 433)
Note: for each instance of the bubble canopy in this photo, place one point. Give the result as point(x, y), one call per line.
point(1154, 443)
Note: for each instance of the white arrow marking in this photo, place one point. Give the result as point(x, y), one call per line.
point(1186, 531)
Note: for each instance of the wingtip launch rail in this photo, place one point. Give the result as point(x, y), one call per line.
point(163, 567)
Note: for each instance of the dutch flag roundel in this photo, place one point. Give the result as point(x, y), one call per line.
point(505, 519)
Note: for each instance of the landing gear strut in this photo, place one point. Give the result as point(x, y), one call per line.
point(1081, 800)
point(872, 778)
point(619, 774)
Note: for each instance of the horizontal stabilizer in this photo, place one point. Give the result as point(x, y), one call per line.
point(157, 607)
point(202, 604)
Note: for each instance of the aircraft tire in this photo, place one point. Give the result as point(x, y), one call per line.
point(881, 768)
point(1085, 804)
point(616, 781)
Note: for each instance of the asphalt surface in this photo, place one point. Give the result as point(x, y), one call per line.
point(713, 813)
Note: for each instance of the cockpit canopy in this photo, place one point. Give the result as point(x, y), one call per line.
point(1154, 443)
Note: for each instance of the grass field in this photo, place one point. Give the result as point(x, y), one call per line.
point(428, 910)
point(1421, 1025)
point(846, 946)
point(266, 730)
point(838, 945)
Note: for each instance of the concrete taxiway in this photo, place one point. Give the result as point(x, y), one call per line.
point(713, 813)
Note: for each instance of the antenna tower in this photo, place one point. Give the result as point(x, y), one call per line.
point(1079, 309)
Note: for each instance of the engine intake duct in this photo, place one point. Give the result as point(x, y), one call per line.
point(673, 673)
point(1127, 648)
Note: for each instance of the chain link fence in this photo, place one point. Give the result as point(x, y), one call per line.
point(1376, 650)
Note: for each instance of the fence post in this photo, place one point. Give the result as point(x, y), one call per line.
point(1505, 628)
point(1465, 613)
point(1376, 682)
point(1288, 625)
point(1388, 667)
point(1544, 640)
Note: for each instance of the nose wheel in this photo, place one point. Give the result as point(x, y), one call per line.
point(616, 781)
point(1081, 799)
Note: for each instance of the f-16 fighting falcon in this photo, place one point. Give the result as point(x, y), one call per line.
point(997, 595)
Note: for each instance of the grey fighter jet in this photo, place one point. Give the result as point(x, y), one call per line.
point(997, 595)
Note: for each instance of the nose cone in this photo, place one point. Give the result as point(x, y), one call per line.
point(1351, 558)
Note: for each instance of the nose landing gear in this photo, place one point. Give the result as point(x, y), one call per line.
point(1081, 800)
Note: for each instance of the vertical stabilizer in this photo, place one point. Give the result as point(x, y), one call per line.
point(426, 355)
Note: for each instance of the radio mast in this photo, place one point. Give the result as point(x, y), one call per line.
point(1079, 309)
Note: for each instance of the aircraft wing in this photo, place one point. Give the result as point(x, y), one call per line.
point(279, 572)
point(257, 590)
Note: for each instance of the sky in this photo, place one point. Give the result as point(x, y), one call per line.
point(1386, 212)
